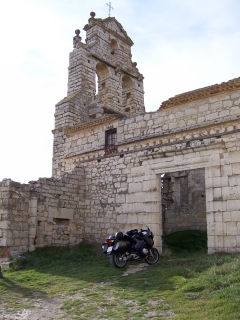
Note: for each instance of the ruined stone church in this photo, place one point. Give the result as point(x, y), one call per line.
point(116, 166)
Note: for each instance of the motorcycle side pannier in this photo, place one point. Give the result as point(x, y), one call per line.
point(121, 246)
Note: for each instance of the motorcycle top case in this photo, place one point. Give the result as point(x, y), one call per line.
point(121, 245)
point(132, 232)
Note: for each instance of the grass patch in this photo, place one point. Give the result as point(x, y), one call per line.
point(191, 286)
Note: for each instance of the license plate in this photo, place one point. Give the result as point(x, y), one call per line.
point(109, 250)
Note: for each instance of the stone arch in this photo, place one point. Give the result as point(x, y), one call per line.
point(127, 86)
point(102, 76)
point(102, 71)
point(127, 82)
point(113, 50)
point(114, 46)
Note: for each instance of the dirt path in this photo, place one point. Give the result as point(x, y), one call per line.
point(50, 308)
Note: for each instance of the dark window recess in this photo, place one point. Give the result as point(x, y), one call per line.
point(110, 141)
point(60, 221)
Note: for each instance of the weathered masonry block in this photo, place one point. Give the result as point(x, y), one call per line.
point(116, 166)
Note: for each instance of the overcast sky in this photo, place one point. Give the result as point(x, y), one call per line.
point(179, 45)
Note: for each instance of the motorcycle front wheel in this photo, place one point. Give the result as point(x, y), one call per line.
point(153, 256)
point(117, 260)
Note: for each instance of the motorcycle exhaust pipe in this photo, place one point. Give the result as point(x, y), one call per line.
point(129, 257)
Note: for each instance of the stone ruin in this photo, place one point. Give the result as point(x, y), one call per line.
point(116, 166)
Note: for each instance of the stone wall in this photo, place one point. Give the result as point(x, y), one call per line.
point(58, 215)
point(41, 213)
point(14, 205)
point(115, 192)
point(123, 188)
point(183, 124)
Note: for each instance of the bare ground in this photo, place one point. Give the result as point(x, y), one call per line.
point(50, 308)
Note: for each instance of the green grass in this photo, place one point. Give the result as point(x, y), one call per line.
point(189, 286)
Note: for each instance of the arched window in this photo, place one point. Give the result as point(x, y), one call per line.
point(102, 75)
point(127, 85)
point(113, 46)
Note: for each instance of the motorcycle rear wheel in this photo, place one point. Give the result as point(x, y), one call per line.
point(153, 256)
point(117, 261)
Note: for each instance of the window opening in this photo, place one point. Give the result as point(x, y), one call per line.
point(113, 46)
point(110, 141)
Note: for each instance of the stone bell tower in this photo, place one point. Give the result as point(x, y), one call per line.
point(102, 75)
point(102, 80)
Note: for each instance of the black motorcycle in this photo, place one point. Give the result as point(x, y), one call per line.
point(134, 245)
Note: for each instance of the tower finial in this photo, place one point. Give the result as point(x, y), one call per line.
point(110, 8)
point(77, 38)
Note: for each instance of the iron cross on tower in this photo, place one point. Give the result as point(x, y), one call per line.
point(110, 8)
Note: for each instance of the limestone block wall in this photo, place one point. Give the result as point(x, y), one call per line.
point(108, 41)
point(71, 110)
point(14, 205)
point(223, 197)
point(197, 135)
point(58, 218)
point(186, 123)
point(45, 212)
point(143, 127)
point(120, 195)
point(81, 75)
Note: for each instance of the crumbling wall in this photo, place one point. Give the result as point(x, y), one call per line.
point(45, 212)
point(58, 218)
point(184, 201)
point(14, 205)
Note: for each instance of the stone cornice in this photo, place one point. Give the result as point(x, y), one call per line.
point(83, 126)
point(202, 93)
